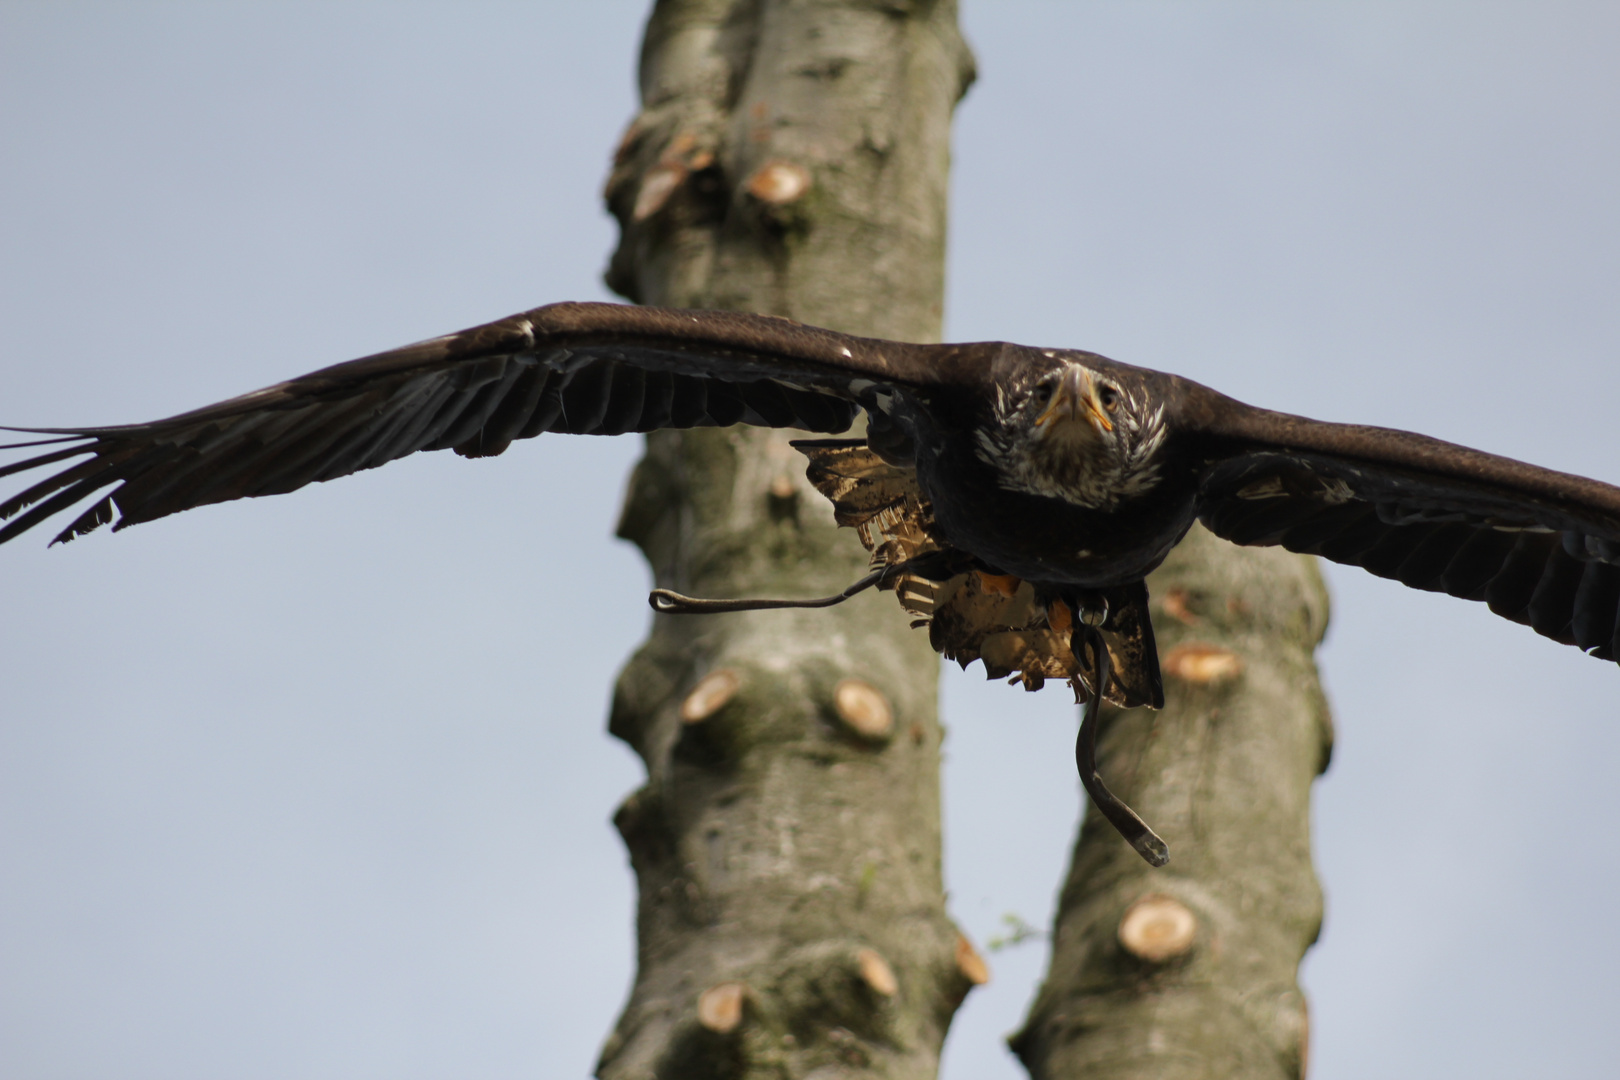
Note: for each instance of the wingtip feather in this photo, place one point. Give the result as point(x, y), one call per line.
point(88, 522)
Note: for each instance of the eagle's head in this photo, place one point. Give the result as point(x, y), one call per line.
point(1074, 431)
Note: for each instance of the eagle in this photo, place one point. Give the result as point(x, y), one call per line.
point(1013, 498)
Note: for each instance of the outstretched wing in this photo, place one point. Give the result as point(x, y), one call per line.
point(588, 369)
point(1539, 547)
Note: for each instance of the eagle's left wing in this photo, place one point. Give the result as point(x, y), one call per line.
point(596, 369)
point(1539, 547)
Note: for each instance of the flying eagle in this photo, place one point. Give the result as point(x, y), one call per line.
point(1013, 498)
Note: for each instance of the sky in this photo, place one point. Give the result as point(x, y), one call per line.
point(319, 786)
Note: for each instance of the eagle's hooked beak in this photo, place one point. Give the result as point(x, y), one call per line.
point(1076, 398)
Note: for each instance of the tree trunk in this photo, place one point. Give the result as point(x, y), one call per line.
point(790, 158)
point(1189, 972)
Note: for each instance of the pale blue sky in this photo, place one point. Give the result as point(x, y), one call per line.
point(318, 786)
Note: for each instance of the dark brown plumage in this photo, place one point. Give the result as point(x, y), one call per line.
point(1013, 498)
point(1019, 480)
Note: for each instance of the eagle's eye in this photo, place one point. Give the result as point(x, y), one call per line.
point(1108, 397)
point(1044, 391)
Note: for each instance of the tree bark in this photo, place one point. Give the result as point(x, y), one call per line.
point(1189, 972)
point(790, 158)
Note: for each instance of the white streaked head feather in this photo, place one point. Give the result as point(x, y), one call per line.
point(1084, 465)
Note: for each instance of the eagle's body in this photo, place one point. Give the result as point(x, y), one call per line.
point(1043, 538)
point(1005, 490)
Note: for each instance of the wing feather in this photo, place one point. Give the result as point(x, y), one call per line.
point(1593, 622)
point(768, 405)
point(37, 462)
point(601, 369)
point(476, 406)
point(548, 410)
point(657, 402)
point(585, 395)
point(507, 420)
point(688, 402)
point(626, 398)
point(61, 500)
point(31, 495)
